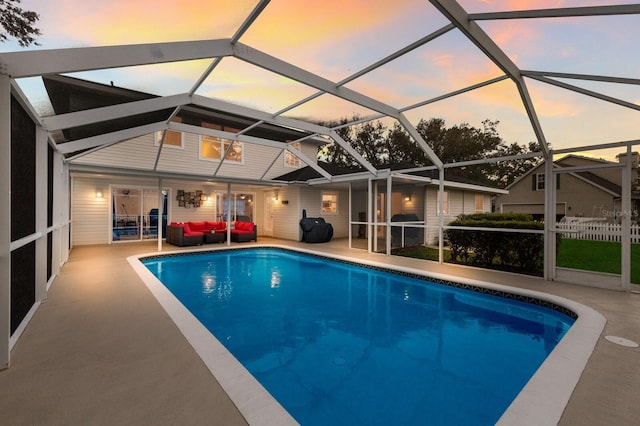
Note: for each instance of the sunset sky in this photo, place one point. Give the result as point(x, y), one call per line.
point(335, 39)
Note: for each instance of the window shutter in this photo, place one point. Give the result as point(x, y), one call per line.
point(534, 182)
point(558, 181)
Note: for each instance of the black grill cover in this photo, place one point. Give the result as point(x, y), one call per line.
point(315, 229)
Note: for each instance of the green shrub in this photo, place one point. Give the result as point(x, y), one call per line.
point(523, 252)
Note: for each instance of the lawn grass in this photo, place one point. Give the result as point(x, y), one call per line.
point(599, 256)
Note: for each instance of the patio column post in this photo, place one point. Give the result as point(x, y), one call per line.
point(42, 188)
point(5, 220)
point(160, 213)
point(549, 219)
point(370, 209)
point(441, 216)
point(375, 217)
point(388, 214)
point(625, 255)
point(350, 214)
point(228, 213)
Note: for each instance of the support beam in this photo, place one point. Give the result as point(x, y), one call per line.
point(273, 64)
point(455, 93)
point(41, 213)
point(309, 162)
point(355, 154)
point(107, 139)
point(625, 255)
point(5, 220)
point(96, 115)
point(587, 92)
point(441, 216)
point(564, 12)
point(161, 213)
point(419, 140)
point(549, 262)
point(281, 121)
point(378, 64)
point(460, 18)
point(588, 77)
point(59, 61)
point(387, 215)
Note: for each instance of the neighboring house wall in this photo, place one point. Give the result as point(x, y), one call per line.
point(575, 196)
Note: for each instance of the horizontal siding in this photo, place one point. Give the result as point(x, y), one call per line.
point(286, 217)
point(138, 153)
point(89, 215)
point(92, 216)
point(311, 200)
point(141, 152)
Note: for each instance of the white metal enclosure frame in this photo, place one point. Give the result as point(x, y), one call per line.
point(24, 64)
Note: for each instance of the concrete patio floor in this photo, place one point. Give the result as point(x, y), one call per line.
point(101, 350)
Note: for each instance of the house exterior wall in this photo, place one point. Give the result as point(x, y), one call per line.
point(140, 153)
point(91, 216)
point(311, 201)
point(460, 202)
point(286, 217)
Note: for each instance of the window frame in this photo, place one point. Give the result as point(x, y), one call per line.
point(223, 143)
point(333, 210)
point(289, 157)
point(157, 136)
point(480, 198)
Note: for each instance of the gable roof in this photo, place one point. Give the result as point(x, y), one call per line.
point(595, 180)
point(307, 173)
point(590, 177)
point(69, 94)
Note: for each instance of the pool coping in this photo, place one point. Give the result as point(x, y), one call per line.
point(541, 401)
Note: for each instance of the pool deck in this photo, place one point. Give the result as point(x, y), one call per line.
point(101, 350)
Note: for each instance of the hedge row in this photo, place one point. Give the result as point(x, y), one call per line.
point(523, 252)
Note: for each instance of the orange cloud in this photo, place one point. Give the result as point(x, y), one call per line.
point(143, 21)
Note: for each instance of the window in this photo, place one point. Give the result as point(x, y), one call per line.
point(213, 147)
point(172, 138)
point(538, 182)
point(290, 160)
point(445, 202)
point(479, 203)
point(329, 203)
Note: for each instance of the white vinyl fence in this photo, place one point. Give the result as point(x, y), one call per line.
point(596, 231)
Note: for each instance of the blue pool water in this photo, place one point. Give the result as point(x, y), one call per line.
point(337, 343)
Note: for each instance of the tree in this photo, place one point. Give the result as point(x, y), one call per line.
point(383, 147)
point(18, 23)
point(504, 173)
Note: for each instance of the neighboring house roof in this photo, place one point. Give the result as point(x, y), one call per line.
point(596, 180)
point(589, 177)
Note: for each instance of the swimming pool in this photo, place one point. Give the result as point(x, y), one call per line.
point(352, 318)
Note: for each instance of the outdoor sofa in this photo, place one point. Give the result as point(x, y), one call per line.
point(205, 232)
point(195, 233)
point(243, 232)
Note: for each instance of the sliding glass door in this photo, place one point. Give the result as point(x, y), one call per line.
point(134, 213)
point(241, 206)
